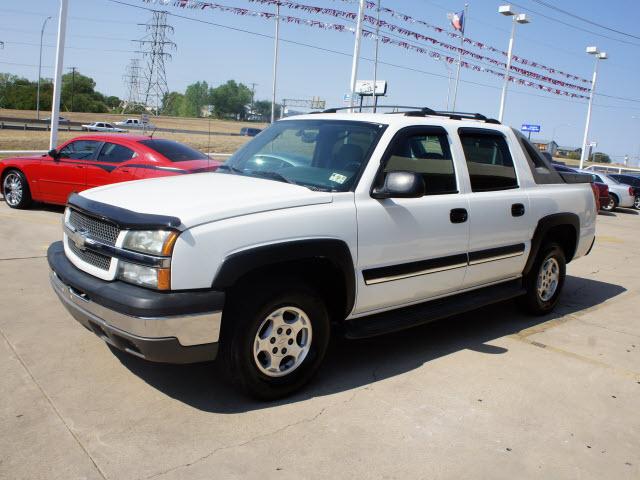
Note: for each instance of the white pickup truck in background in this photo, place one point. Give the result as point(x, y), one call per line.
point(367, 222)
point(135, 123)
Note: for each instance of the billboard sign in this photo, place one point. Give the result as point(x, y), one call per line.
point(364, 88)
point(526, 127)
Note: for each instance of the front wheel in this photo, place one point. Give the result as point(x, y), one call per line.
point(611, 205)
point(274, 338)
point(15, 189)
point(544, 282)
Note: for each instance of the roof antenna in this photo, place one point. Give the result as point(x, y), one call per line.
point(154, 131)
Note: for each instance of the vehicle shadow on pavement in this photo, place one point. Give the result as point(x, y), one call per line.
point(351, 364)
point(627, 211)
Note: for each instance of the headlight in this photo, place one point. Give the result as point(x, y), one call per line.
point(153, 242)
point(150, 242)
point(158, 278)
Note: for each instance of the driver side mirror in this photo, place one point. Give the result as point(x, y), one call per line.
point(401, 185)
point(53, 153)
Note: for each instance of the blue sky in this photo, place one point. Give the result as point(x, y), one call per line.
point(100, 33)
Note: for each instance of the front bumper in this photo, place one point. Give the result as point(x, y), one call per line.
point(172, 327)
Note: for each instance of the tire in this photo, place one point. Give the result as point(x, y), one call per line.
point(548, 270)
point(612, 205)
point(256, 335)
point(15, 189)
point(636, 203)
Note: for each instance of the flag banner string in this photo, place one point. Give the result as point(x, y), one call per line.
point(420, 37)
point(475, 43)
point(196, 4)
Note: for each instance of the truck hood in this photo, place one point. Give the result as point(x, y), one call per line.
point(206, 197)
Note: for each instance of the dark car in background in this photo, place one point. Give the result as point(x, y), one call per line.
point(632, 181)
point(249, 131)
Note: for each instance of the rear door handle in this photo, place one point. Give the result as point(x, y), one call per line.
point(517, 210)
point(458, 215)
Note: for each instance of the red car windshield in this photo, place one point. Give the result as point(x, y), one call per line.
point(174, 151)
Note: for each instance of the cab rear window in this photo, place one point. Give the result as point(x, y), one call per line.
point(174, 151)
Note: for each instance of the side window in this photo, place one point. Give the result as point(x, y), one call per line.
point(429, 155)
point(113, 153)
point(542, 171)
point(488, 160)
point(80, 149)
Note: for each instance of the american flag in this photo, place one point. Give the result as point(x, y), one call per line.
point(457, 21)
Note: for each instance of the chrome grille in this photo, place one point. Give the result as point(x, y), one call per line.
point(92, 258)
point(97, 229)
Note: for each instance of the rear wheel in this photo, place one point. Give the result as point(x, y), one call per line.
point(274, 338)
point(636, 203)
point(15, 189)
point(611, 205)
point(545, 280)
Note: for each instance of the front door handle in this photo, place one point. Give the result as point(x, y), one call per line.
point(517, 210)
point(458, 215)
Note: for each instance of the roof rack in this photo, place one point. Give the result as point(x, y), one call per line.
point(421, 112)
point(358, 107)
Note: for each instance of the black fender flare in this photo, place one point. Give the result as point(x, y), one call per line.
point(335, 251)
point(544, 225)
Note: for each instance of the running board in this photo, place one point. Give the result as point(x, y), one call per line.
point(407, 317)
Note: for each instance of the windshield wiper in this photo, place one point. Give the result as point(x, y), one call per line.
point(231, 169)
point(272, 175)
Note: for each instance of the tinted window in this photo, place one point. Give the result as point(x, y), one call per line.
point(80, 149)
point(488, 160)
point(427, 154)
point(541, 168)
point(113, 153)
point(319, 154)
point(174, 151)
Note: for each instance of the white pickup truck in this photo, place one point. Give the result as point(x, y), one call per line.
point(367, 222)
point(135, 123)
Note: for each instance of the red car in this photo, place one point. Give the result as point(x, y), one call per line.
point(93, 160)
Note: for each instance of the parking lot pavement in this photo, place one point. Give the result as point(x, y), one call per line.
point(491, 394)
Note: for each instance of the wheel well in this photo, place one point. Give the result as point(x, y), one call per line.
point(566, 236)
point(615, 196)
point(320, 273)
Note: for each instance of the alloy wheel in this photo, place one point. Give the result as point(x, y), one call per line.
point(13, 189)
point(548, 279)
point(282, 341)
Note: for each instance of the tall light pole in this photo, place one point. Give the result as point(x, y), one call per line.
point(375, 61)
point(356, 52)
point(57, 79)
point(516, 18)
point(275, 64)
point(598, 56)
point(44, 24)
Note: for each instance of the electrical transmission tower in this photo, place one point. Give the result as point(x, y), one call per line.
point(155, 48)
point(132, 82)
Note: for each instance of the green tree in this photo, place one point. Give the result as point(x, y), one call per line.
point(172, 104)
point(196, 96)
point(600, 157)
point(262, 108)
point(230, 100)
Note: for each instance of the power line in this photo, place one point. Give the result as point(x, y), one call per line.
point(586, 20)
point(575, 27)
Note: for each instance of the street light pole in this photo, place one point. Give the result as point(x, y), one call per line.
point(44, 24)
point(599, 56)
point(356, 53)
point(275, 64)
point(57, 79)
point(522, 18)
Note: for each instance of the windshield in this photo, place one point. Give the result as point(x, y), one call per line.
point(174, 151)
point(319, 154)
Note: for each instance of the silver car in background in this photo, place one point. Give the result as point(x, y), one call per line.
point(620, 195)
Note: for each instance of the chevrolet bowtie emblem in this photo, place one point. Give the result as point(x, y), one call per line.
point(79, 238)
